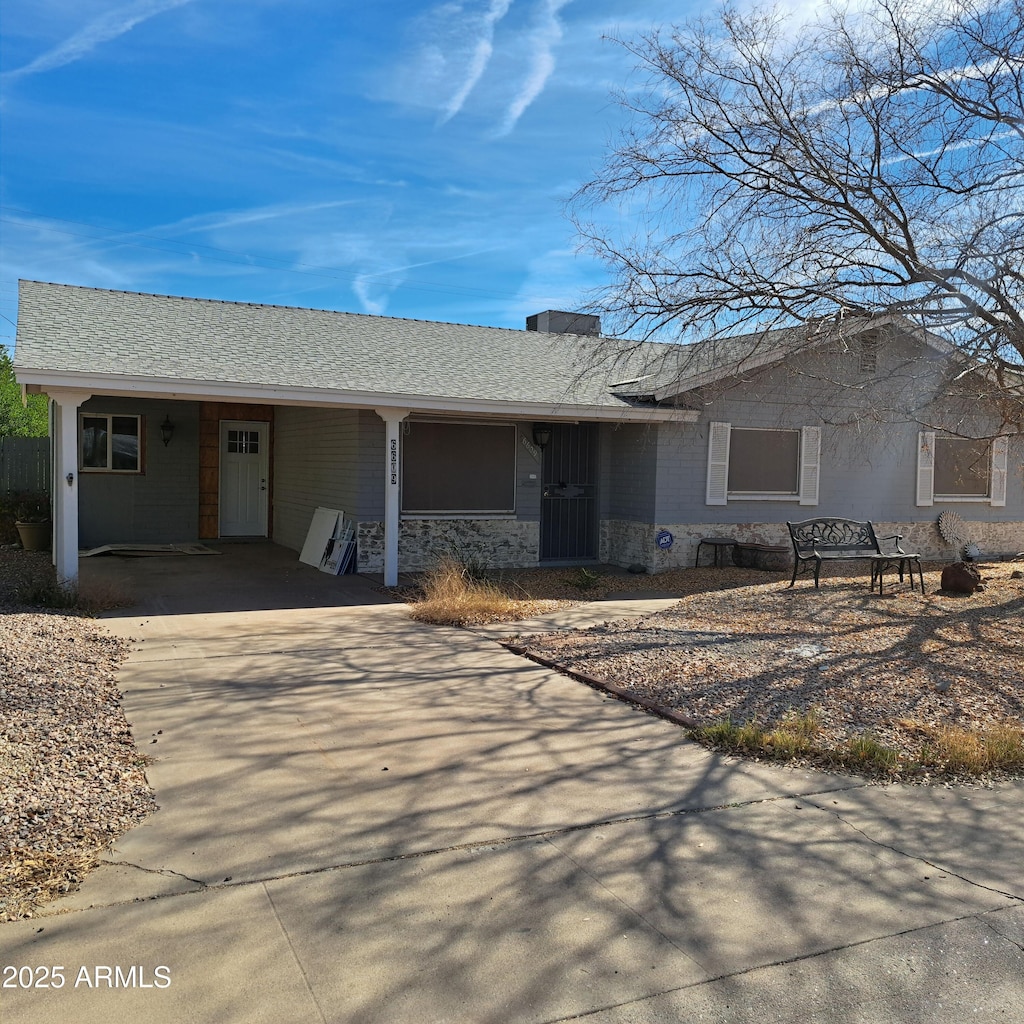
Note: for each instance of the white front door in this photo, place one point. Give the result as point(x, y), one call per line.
point(244, 465)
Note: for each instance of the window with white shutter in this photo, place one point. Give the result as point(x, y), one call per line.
point(718, 464)
point(748, 463)
point(926, 467)
point(960, 469)
point(1000, 466)
point(810, 463)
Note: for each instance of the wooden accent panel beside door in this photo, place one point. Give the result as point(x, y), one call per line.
point(210, 415)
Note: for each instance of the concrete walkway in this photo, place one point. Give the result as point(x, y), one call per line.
point(367, 820)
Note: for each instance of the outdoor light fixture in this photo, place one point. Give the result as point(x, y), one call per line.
point(167, 430)
point(541, 435)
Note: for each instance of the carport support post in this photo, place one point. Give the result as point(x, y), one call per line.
point(64, 486)
point(392, 488)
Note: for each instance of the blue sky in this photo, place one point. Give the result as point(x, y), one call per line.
point(410, 159)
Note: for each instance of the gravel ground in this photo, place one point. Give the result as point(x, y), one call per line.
point(71, 778)
point(893, 667)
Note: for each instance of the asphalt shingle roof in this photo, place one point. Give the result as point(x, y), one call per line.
point(75, 330)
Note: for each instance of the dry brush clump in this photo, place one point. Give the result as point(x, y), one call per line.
point(453, 595)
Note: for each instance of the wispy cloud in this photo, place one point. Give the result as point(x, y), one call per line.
point(260, 214)
point(545, 36)
point(484, 50)
point(100, 30)
point(480, 56)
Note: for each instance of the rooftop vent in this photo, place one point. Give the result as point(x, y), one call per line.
point(554, 321)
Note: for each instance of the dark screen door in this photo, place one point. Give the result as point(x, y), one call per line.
point(568, 526)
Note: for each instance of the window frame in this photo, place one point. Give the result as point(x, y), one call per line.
point(719, 453)
point(462, 513)
point(943, 440)
point(998, 461)
point(774, 495)
point(140, 425)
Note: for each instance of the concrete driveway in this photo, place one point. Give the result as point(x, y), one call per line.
point(367, 820)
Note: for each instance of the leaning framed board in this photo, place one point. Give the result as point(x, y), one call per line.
point(322, 529)
point(330, 542)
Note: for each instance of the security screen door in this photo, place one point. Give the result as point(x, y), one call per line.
point(568, 525)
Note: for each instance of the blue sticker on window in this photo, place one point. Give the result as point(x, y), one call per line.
point(664, 540)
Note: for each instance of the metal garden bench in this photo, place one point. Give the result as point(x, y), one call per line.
point(833, 540)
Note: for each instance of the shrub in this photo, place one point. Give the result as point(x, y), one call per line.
point(453, 597)
point(583, 579)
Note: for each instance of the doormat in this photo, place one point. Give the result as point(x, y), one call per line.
point(143, 550)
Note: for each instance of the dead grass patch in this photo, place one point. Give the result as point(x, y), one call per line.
point(791, 738)
point(455, 596)
point(941, 751)
point(89, 599)
point(31, 879)
point(974, 751)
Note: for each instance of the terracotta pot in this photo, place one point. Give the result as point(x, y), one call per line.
point(35, 536)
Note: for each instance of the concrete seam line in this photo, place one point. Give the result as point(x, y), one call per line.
point(295, 955)
point(920, 860)
point(618, 899)
point(476, 845)
point(799, 958)
point(604, 685)
point(988, 924)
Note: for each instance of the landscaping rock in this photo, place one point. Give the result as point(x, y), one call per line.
point(961, 578)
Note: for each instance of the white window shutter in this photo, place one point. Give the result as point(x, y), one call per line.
point(1000, 464)
point(718, 464)
point(926, 467)
point(810, 464)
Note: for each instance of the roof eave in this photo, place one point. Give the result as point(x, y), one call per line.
point(179, 389)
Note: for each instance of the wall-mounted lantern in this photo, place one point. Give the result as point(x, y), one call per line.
point(541, 435)
point(166, 430)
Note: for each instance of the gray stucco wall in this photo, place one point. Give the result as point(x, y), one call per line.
point(869, 440)
point(869, 443)
point(159, 505)
point(630, 462)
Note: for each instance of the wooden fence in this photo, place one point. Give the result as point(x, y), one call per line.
point(24, 464)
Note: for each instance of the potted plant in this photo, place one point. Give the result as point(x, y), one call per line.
point(32, 520)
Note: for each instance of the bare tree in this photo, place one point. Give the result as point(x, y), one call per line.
point(868, 163)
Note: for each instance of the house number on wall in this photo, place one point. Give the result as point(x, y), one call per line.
point(394, 462)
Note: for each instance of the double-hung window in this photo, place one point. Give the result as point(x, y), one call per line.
point(757, 464)
point(952, 469)
point(109, 443)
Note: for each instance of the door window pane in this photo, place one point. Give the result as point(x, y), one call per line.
point(244, 442)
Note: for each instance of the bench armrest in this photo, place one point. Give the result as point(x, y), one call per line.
point(896, 537)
